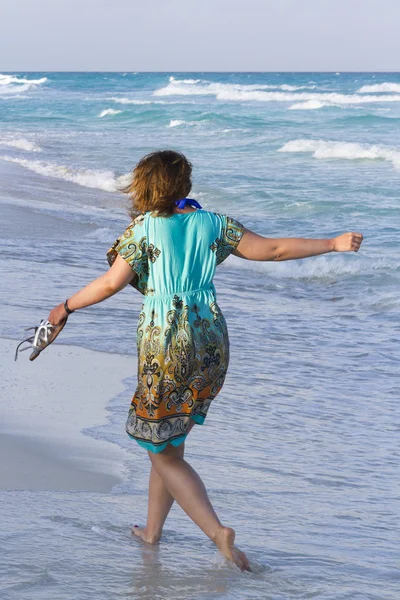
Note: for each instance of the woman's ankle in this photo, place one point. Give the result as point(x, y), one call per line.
point(219, 531)
point(148, 535)
point(153, 538)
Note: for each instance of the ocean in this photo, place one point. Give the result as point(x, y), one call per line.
point(301, 449)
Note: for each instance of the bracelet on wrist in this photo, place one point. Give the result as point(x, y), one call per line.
point(67, 309)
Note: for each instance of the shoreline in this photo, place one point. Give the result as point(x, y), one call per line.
point(46, 404)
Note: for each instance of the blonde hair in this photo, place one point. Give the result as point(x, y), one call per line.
point(158, 180)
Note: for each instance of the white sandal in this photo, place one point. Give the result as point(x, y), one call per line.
point(44, 335)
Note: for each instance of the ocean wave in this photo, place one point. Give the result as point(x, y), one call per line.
point(5, 97)
point(268, 93)
point(133, 101)
point(310, 105)
point(7, 79)
point(9, 84)
point(343, 150)
point(8, 90)
point(319, 267)
point(316, 268)
point(385, 87)
point(197, 87)
point(188, 81)
point(21, 144)
point(91, 178)
point(176, 123)
point(109, 111)
point(331, 98)
point(101, 234)
point(369, 118)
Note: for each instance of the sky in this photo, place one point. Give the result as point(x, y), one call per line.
point(199, 35)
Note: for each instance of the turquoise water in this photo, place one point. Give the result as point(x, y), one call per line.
point(303, 441)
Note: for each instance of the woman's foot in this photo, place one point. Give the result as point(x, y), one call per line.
point(224, 541)
point(146, 536)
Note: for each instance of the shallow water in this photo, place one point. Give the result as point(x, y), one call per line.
point(300, 451)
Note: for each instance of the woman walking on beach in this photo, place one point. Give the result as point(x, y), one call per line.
point(169, 253)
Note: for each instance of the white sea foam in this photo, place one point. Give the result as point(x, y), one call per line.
point(175, 123)
point(197, 87)
point(316, 268)
point(319, 267)
point(268, 93)
point(343, 150)
point(14, 89)
point(141, 102)
point(331, 98)
point(9, 84)
point(21, 144)
point(109, 111)
point(136, 102)
point(91, 178)
point(7, 79)
point(188, 81)
point(293, 88)
point(309, 105)
point(129, 101)
point(385, 87)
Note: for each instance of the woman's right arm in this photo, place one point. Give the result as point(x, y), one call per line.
point(256, 247)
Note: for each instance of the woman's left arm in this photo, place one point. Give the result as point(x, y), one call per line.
point(116, 278)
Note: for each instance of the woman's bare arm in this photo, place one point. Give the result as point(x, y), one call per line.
point(114, 280)
point(256, 247)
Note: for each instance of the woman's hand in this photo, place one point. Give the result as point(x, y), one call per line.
point(347, 242)
point(57, 315)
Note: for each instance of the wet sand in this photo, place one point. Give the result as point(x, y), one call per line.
point(45, 404)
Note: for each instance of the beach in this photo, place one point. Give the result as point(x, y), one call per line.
point(49, 402)
point(299, 452)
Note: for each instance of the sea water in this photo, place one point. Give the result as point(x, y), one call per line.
point(300, 452)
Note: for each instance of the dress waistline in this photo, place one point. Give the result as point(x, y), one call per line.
point(151, 293)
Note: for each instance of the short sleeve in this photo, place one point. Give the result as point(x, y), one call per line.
point(230, 234)
point(132, 247)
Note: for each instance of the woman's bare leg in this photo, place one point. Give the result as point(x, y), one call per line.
point(186, 487)
point(159, 504)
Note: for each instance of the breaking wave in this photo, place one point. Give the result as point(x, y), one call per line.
point(7, 79)
point(319, 267)
point(21, 144)
point(197, 87)
point(10, 84)
point(129, 101)
point(268, 93)
point(109, 111)
point(91, 178)
point(176, 123)
point(310, 105)
point(142, 102)
point(343, 150)
point(385, 87)
point(328, 98)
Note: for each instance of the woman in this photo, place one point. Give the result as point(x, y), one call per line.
point(169, 253)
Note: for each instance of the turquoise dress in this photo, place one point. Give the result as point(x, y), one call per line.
point(182, 338)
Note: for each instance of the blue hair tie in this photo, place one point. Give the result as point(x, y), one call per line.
point(185, 201)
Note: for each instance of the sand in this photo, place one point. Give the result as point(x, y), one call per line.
point(45, 404)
